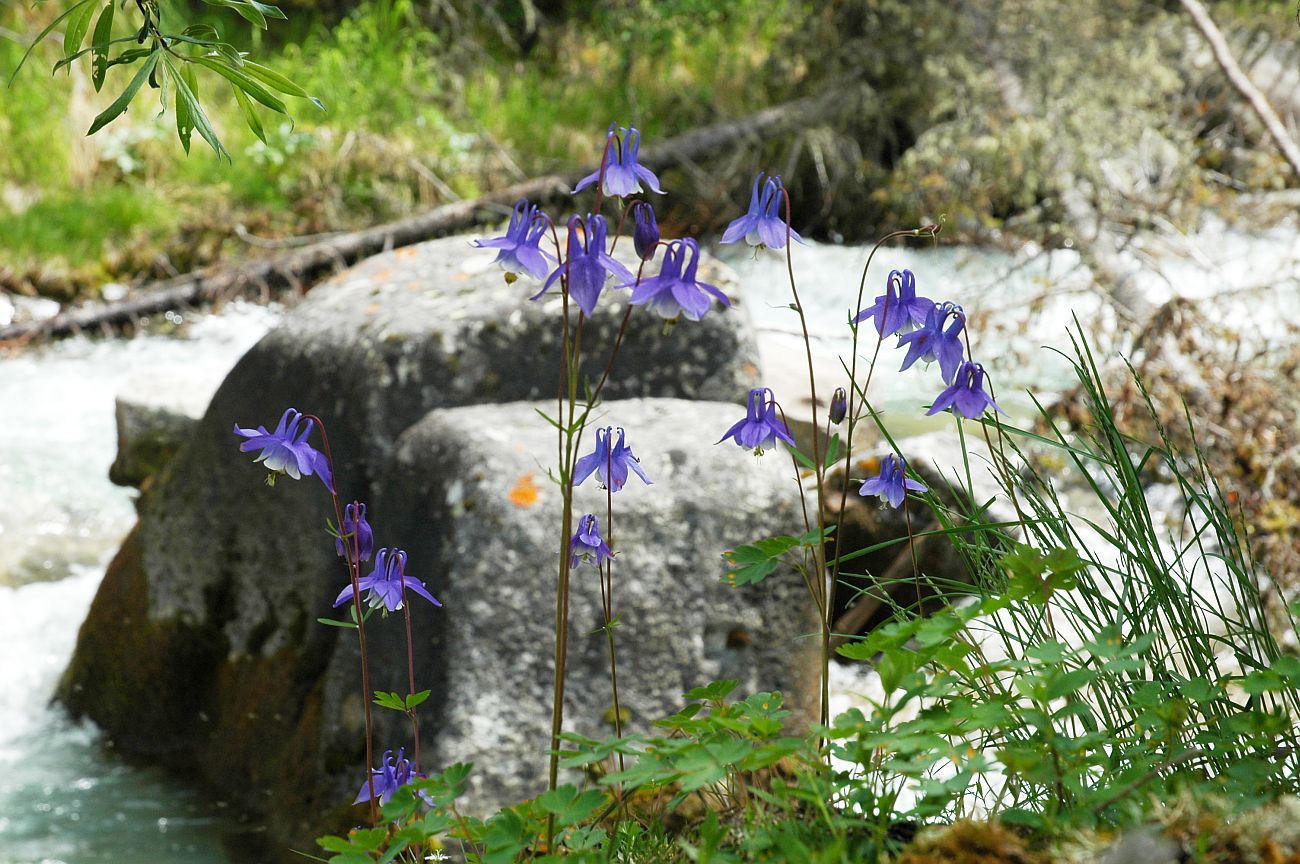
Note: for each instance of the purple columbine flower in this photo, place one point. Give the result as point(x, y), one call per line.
point(675, 291)
point(645, 231)
point(966, 396)
point(389, 777)
point(286, 451)
point(587, 544)
point(623, 175)
point(892, 483)
point(762, 224)
point(898, 310)
point(932, 342)
point(520, 250)
point(588, 263)
point(760, 427)
point(385, 583)
point(354, 522)
point(611, 464)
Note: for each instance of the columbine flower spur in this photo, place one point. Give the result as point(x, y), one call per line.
point(892, 483)
point(286, 451)
point(762, 224)
point(623, 174)
point(966, 396)
point(520, 250)
point(610, 464)
point(760, 427)
point(675, 291)
point(587, 264)
point(387, 779)
point(385, 583)
point(931, 342)
point(898, 310)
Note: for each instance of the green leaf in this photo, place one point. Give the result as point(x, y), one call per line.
point(278, 82)
point(76, 31)
point(186, 95)
point(713, 691)
point(250, 114)
point(569, 806)
point(1069, 682)
point(112, 112)
point(833, 450)
point(332, 623)
point(243, 81)
point(415, 699)
point(46, 32)
point(392, 701)
point(247, 10)
point(184, 117)
point(100, 41)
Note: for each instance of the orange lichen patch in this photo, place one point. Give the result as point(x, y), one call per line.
point(373, 309)
point(404, 252)
point(524, 492)
point(381, 275)
point(871, 463)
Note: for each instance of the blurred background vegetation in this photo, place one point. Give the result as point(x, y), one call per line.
point(429, 101)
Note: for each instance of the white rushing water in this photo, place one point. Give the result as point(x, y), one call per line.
point(64, 798)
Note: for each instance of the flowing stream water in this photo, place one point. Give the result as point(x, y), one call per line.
point(65, 797)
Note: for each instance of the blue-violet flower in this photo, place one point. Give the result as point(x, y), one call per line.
point(762, 224)
point(587, 544)
point(675, 291)
point(588, 263)
point(354, 523)
point(892, 483)
point(286, 449)
point(760, 427)
point(898, 310)
point(389, 777)
point(520, 249)
point(966, 396)
point(385, 583)
point(623, 175)
point(931, 342)
point(610, 463)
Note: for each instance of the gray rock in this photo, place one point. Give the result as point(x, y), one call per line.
point(156, 413)
point(1143, 846)
point(493, 564)
point(203, 644)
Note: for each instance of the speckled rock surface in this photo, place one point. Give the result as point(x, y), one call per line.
point(239, 573)
point(493, 563)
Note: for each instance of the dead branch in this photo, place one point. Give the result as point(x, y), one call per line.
point(1241, 81)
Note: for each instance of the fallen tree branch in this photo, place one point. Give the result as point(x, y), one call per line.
point(302, 267)
point(1241, 81)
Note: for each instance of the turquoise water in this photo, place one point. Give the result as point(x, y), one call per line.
point(65, 798)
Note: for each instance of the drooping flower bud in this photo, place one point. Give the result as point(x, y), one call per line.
point(645, 231)
point(839, 405)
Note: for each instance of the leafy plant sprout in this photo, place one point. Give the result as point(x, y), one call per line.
point(1068, 688)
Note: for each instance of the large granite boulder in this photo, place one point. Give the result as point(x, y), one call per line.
point(203, 641)
point(452, 494)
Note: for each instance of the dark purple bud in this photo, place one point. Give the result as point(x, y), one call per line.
point(645, 233)
point(839, 405)
point(357, 534)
